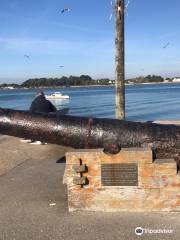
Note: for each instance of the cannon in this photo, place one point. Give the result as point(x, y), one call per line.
point(84, 132)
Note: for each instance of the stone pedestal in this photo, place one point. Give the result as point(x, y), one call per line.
point(129, 181)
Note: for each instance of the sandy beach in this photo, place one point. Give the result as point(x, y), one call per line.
point(33, 201)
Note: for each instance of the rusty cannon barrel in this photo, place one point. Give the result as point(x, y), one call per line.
point(83, 132)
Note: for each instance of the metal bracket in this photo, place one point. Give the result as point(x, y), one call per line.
point(80, 180)
point(81, 168)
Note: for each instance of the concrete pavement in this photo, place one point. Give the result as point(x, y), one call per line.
point(33, 202)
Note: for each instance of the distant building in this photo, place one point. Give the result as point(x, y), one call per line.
point(9, 87)
point(111, 81)
point(167, 81)
point(176, 80)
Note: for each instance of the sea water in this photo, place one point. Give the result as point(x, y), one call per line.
point(143, 102)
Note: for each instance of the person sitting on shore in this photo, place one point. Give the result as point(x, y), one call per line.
point(41, 105)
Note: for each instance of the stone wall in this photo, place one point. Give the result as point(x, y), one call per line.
point(157, 187)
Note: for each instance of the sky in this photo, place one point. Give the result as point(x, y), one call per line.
point(82, 40)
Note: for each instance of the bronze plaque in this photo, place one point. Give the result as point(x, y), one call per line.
point(119, 174)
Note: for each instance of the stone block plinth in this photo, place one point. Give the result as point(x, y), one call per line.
point(128, 181)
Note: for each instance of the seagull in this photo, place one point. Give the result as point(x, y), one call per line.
point(165, 46)
point(110, 17)
point(27, 56)
point(127, 5)
point(119, 9)
point(65, 10)
point(113, 7)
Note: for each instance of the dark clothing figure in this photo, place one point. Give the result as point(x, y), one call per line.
point(41, 104)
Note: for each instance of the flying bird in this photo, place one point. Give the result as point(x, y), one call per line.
point(65, 10)
point(110, 17)
point(113, 5)
point(165, 46)
point(113, 9)
point(127, 5)
point(26, 56)
point(61, 66)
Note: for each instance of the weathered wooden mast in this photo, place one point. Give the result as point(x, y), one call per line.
point(119, 60)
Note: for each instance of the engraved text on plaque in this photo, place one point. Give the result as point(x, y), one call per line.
point(119, 174)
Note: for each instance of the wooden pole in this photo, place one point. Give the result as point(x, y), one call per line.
point(119, 61)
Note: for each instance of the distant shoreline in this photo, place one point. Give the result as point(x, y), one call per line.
point(81, 86)
point(85, 81)
point(60, 87)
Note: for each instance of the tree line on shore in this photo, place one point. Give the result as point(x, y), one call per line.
point(83, 80)
point(147, 79)
point(64, 81)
